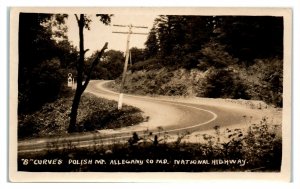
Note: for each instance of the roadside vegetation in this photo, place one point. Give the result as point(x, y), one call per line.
point(94, 113)
point(258, 148)
point(261, 81)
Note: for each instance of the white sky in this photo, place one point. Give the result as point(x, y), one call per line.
point(95, 38)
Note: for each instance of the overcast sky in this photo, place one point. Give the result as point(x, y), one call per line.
point(98, 34)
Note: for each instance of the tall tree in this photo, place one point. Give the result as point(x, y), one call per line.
point(176, 39)
point(151, 44)
point(84, 75)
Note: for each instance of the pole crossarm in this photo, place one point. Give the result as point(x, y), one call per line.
point(119, 25)
point(130, 33)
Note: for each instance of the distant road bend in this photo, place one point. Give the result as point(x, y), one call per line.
point(166, 113)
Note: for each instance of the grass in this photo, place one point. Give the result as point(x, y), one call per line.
point(94, 113)
point(258, 149)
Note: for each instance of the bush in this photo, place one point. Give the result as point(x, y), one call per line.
point(111, 118)
point(272, 81)
point(174, 89)
point(214, 55)
point(265, 80)
point(43, 85)
point(158, 82)
point(93, 113)
point(262, 142)
point(51, 119)
point(150, 64)
point(223, 83)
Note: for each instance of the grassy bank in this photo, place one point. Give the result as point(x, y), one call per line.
point(93, 113)
point(257, 149)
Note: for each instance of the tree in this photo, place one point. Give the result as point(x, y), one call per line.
point(213, 54)
point(41, 55)
point(111, 65)
point(137, 55)
point(84, 75)
point(151, 44)
point(252, 37)
point(216, 84)
point(176, 40)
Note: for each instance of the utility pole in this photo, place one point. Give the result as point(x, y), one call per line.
point(120, 101)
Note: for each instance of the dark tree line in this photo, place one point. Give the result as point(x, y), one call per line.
point(252, 37)
point(179, 40)
point(43, 57)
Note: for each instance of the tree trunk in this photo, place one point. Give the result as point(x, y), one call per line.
point(79, 91)
point(73, 116)
point(80, 86)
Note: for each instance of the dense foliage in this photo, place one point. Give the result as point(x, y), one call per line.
point(247, 38)
point(223, 83)
point(111, 65)
point(44, 55)
point(94, 113)
point(260, 81)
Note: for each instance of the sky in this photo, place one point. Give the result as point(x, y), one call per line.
point(95, 38)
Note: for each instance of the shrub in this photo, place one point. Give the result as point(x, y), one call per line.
point(262, 142)
point(174, 89)
point(150, 64)
point(223, 83)
point(272, 81)
point(265, 80)
point(215, 55)
point(43, 85)
point(93, 113)
point(112, 118)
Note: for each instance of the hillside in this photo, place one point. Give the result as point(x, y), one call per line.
point(260, 81)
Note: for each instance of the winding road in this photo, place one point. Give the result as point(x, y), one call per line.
point(166, 114)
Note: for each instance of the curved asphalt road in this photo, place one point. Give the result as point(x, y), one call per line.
point(173, 117)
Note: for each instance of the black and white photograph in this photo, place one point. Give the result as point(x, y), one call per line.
point(159, 91)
